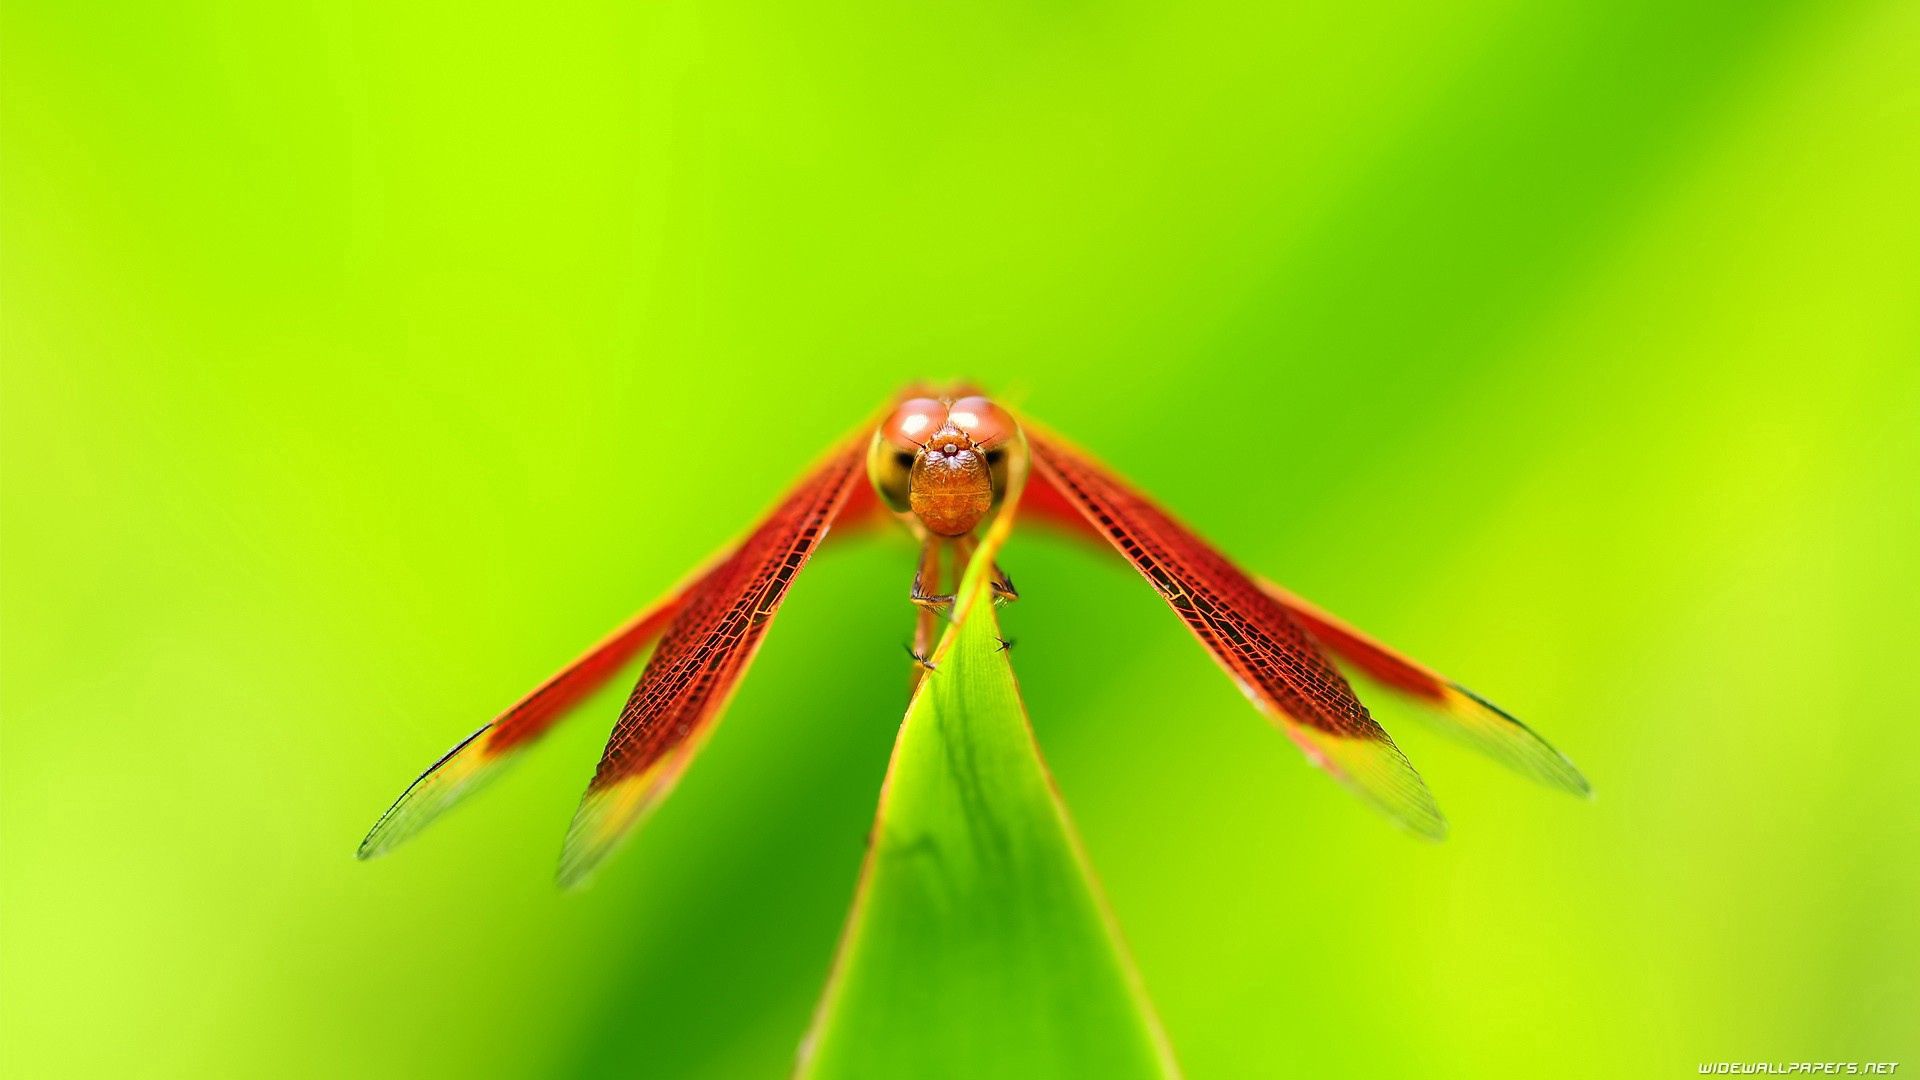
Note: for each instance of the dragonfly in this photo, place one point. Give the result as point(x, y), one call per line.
point(951, 467)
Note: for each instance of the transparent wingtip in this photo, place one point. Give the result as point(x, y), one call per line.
point(1484, 726)
point(460, 772)
point(606, 817)
point(1379, 773)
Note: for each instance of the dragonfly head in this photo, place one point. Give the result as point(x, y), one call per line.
point(943, 461)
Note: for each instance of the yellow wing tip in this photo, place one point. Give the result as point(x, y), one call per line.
point(1376, 771)
point(460, 772)
point(603, 822)
point(1500, 735)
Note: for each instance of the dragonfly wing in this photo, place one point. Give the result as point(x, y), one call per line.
point(1453, 709)
point(700, 661)
point(1457, 711)
point(481, 755)
point(1274, 660)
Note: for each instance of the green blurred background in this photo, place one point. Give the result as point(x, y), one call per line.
point(364, 362)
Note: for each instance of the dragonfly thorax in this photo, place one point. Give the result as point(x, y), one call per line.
point(949, 487)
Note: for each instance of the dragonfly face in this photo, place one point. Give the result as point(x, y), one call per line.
point(943, 461)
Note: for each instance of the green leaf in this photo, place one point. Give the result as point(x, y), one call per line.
point(978, 943)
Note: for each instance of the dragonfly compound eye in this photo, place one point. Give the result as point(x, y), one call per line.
point(987, 424)
point(915, 420)
point(896, 442)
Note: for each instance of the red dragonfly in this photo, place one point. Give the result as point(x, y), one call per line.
point(946, 466)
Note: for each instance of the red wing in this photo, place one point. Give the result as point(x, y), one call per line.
point(1461, 714)
point(1275, 662)
point(481, 755)
point(700, 661)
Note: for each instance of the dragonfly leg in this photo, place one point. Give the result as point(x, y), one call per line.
point(922, 649)
point(1003, 590)
point(927, 577)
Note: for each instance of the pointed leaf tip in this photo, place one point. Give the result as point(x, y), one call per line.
point(978, 943)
